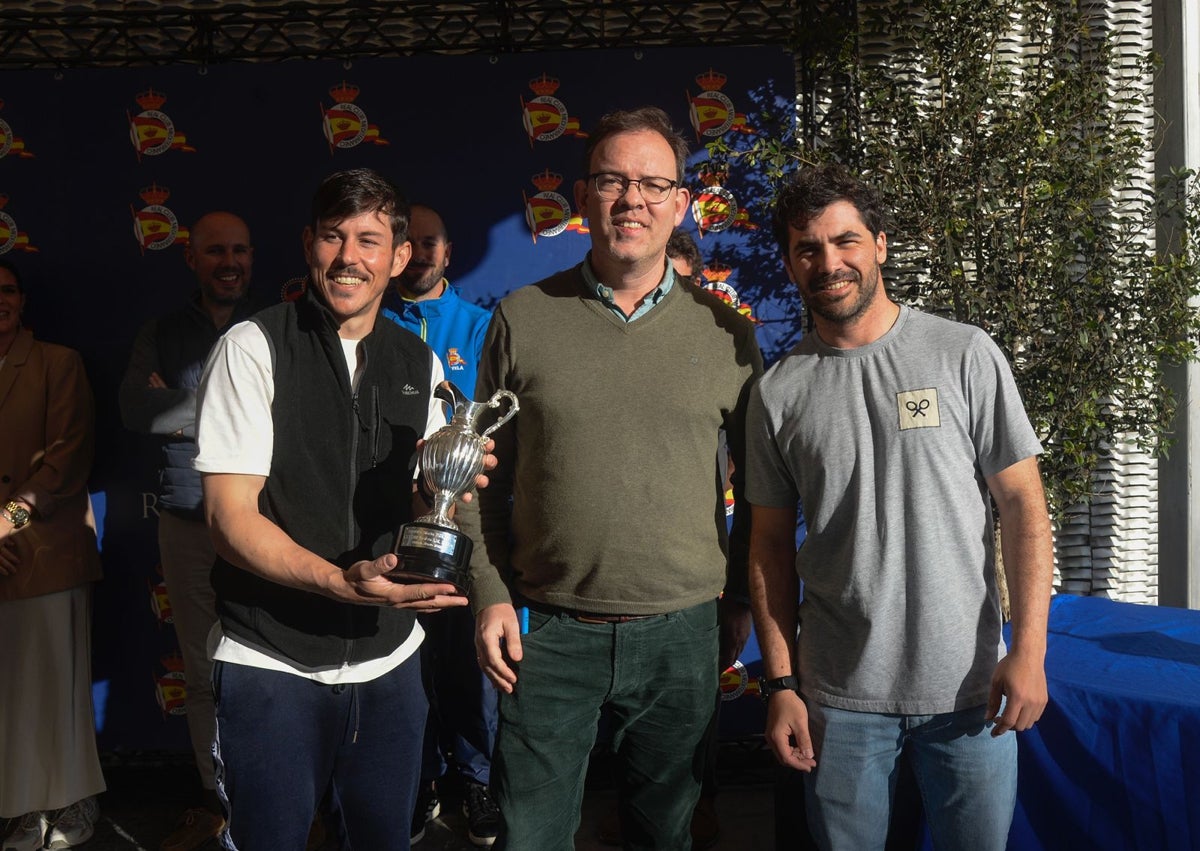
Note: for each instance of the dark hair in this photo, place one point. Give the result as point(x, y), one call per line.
point(813, 189)
point(5, 263)
point(683, 246)
point(346, 194)
point(633, 121)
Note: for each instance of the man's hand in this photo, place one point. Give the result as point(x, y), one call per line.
point(733, 619)
point(155, 381)
point(787, 731)
point(498, 644)
point(364, 582)
point(489, 463)
point(1021, 681)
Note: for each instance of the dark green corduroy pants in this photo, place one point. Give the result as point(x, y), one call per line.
point(657, 676)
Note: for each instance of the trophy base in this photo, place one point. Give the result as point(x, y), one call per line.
point(432, 553)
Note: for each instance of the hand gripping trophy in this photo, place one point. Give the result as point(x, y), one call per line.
point(432, 548)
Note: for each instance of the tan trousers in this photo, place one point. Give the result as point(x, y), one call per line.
point(187, 559)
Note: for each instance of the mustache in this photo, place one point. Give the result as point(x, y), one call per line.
point(837, 277)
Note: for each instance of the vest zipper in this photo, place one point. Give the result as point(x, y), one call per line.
point(355, 427)
point(376, 425)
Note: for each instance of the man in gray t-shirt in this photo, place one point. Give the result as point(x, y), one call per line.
point(896, 432)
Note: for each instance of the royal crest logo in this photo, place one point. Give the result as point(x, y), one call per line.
point(170, 687)
point(711, 112)
point(546, 117)
point(160, 599)
point(293, 288)
point(714, 208)
point(716, 281)
point(548, 213)
point(736, 682)
point(155, 226)
point(151, 131)
point(10, 143)
point(345, 125)
point(454, 359)
point(12, 238)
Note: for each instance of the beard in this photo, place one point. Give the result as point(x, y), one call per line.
point(218, 293)
point(848, 310)
point(423, 283)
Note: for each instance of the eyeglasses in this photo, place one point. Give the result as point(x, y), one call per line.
point(611, 187)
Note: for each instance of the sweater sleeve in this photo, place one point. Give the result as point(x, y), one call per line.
point(490, 523)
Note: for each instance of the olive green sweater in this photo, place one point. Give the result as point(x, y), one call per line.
point(607, 497)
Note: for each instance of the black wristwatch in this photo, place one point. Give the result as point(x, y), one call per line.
point(766, 688)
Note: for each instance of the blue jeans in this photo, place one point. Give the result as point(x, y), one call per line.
point(967, 778)
point(282, 741)
point(656, 676)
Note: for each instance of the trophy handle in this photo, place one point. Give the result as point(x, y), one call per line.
point(494, 402)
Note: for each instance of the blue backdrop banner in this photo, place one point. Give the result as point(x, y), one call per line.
point(103, 172)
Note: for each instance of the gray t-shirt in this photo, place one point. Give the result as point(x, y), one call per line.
point(886, 448)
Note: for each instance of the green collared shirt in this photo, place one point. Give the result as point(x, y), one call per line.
point(605, 294)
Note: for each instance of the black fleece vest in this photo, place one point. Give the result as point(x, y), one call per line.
point(340, 483)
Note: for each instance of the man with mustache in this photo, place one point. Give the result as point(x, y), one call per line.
point(462, 712)
point(158, 397)
point(898, 433)
point(309, 418)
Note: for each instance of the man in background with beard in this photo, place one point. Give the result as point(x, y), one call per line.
point(462, 703)
point(158, 397)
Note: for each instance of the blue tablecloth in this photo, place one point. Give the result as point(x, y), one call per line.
point(1114, 763)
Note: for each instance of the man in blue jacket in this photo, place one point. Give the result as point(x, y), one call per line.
point(462, 711)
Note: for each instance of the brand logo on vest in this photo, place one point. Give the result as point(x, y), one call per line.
point(408, 390)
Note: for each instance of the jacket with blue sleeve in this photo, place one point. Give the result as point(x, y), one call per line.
point(452, 326)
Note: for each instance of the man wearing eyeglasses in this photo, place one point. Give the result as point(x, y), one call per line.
point(605, 520)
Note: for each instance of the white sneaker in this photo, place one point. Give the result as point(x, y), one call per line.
point(74, 825)
point(29, 833)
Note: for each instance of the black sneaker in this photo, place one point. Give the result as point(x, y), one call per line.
point(483, 816)
point(427, 809)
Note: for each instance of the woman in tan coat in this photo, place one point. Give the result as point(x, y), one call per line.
point(50, 768)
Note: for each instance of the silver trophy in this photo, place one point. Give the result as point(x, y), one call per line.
point(432, 548)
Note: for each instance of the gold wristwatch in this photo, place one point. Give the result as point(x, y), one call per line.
point(17, 514)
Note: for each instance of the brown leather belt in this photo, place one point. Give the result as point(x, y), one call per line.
point(594, 617)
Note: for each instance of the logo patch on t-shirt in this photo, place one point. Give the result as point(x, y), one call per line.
point(918, 408)
point(455, 360)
